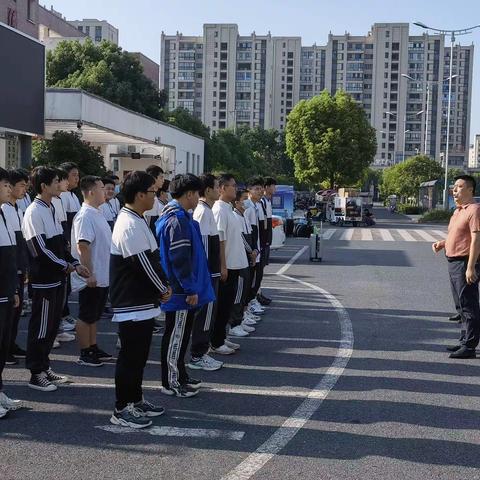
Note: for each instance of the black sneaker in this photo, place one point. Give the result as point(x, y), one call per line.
point(182, 391)
point(11, 360)
point(19, 352)
point(39, 381)
point(56, 379)
point(101, 354)
point(149, 409)
point(193, 383)
point(89, 359)
point(130, 417)
point(263, 300)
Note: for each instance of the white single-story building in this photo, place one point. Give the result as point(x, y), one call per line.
point(128, 140)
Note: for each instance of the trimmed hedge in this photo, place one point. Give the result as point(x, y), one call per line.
point(410, 209)
point(436, 216)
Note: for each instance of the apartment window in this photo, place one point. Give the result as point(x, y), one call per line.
point(80, 28)
point(387, 33)
point(216, 34)
point(214, 93)
point(224, 46)
point(214, 113)
point(387, 44)
point(215, 54)
point(221, 125)
point(87, 30)
point(214, 105)
point(30, 4)
point(386, 54)
point(284, 45)
point(98, 33)
point(290, 55)
point(386, 64)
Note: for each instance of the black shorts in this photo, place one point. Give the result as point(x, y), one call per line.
point(92, 303)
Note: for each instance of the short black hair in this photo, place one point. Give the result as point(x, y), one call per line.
point(165, 186)
point(108, 181)
point(69, 166)
point(41, 175)
point(239, 194)
point(17, 175)
point(183, 183)
point(469, 179)
point(4, 175)
point(88, 182)
point(224, 178)
point(154, 171)
point(208, 181)
point(254, 181)
point(269, 181)
point(62, 174)
point(136, 182)
point(114, 177)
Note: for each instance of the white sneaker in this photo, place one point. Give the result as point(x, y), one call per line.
point(248, 321)
point(238, 331)
point(230, 344)
point(255, 310)
point(206, 363)
point(56, 344)
point(65, 337)
point(68, 323)
point(247, 328)
point(257, 304)
point(252, 316)
point(8, 403)
point(3, 412)
point(223, 350)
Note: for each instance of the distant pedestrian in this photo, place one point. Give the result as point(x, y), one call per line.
point(462, 249)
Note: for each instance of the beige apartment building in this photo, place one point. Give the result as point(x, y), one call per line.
point(228, 80)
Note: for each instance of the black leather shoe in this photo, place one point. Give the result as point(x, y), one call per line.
point(455, 318)
point(454, 348)
point(464, 352)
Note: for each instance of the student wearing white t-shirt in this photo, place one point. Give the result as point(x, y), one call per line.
point(111, 207)
point(232, 259)
point(91, 241)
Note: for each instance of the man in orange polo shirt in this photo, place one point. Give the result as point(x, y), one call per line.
point(462, 249)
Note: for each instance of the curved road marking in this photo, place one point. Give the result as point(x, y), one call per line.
point(291, 426)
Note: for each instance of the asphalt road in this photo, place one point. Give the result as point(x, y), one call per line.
point(352, 385)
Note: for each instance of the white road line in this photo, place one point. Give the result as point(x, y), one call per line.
point(366, 234)
point(347, 234)
point(177, 432)
point(291, 339)
point(426, 236)
point(440, 233)
point(406, 235)
point(386, 235)
point(283, 435)
point(289, 263)
point(328, 234)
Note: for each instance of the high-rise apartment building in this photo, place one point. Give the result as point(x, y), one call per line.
point(401, 81)
point(97, 30)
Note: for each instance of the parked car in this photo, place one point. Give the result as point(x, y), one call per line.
point(278, 235)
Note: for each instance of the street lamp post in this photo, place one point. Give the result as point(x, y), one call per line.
point(462, 31)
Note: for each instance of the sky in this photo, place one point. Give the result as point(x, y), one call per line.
point(141, 22)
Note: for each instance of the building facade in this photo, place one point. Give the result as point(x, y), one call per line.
point(401, 81)
point(97, 30)
point(474, 157)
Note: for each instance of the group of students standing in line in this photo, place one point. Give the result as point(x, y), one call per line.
point(197, 259)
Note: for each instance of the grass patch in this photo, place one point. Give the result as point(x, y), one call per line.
point(436, 216)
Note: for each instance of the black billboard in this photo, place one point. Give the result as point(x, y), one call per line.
point(22, 82)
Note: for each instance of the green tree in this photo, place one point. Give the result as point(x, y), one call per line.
point(68, 147)
point(404, 179)
point(181, 118)
point(105, 70)
point(329, 138)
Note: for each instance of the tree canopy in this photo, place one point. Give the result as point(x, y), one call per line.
point(330, 139)
point(68, 147)
point(105, 70)
point(404, 179)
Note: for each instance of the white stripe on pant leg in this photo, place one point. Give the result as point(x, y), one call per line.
point(208, 319)
point(47, 311)
point(239, 295)
point(175, 346)
point(43, 320)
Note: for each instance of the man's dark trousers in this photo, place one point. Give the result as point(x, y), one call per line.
point(467, 297)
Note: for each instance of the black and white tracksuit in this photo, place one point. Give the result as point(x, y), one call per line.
point(205, 316)
point(49, 261)
point(136, 283)
point(8, 286)
point(268, 227)
point(14, 216)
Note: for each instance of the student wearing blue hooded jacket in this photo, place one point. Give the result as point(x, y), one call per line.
point(185, 264)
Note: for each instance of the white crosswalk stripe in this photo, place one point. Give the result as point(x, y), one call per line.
point(328, 233)
point(383, 235)
point(426, 236)
point(347, 234)
point(386, 235)
point(406, 235)
point(366, 234)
